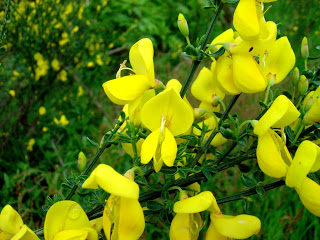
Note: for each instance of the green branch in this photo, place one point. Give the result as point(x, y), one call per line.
point(4, 21)
point(196, 63)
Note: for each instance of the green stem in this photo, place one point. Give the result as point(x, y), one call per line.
point(267, 94)
point(226, 153)
point(95, 158)
point(213, 134)
point(300, 127)
point(188, 40)
point(4, 21)
point(249, 192)
point(196, 63)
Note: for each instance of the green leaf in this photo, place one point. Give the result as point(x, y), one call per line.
point(230, 1)
point(244, 168)
point(154, 206)
point(169, 170)
point(259, 176)
point(182, 173)
point(191, 50)
point(2, 49)
point(289, 133)
point(92, 142)
point(207, 174)
point(45, 208)
point(155, 187)
point(260, 190)
point(248, 182)
point(218, 53)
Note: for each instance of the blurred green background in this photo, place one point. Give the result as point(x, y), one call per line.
point(59, 53)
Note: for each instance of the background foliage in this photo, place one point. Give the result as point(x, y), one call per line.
point(58, 54)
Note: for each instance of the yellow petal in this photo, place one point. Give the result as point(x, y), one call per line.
point(131, 219)
point(309, 194)
point(213, 234)
point(179, 228)
point(97, 224)
point(178, 115)
point(224, 75)
point(77, 234)
point(205, 88)
point(168, 148)
point(245, 20)
point(127, 147)
point(257, 47)
point(226, 36)
point(198, 203)
point(281, 113)
point(64, 215)
point(313, 115)
point(25, 233)
point(304, 159)
point(134, 107)
point(269, 157)
point(247, 74)
point(238, 227)
point(149, 146)
point(112, 182)
point(126, 89)
point(106, 221)
point(10, 220)
point(141, 59)
point(280, 59)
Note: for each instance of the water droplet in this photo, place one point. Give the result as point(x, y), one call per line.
point(74, 211)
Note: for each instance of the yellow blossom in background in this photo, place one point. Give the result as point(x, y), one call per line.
point(74, 30)
point(64, 39)
point(90, 64)
point(55, 64)
point(98, 60)
point(80, 91)
point(58, 25)
point(62, 76)
point(15, 73)
point(42, 110)
point(44, 129)
point(30, 144)
point(63, 121)
point(111, 45)
point(12, 93)
point(42, 66)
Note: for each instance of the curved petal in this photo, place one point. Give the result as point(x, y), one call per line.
point(202, 87)
point(64, 215)
point(309, 194)
point(131, 219)
point(226, 36)
point(281, 113)
point(313, 115)
point(127, 147)
point(247, 74)
point(195, 204)
point(141, 59)
point(224, 75)
point(26, 233)
point(149, 146)
point(97, 224)
point(77, 234)
point(106, 220)
point(10, 220)
point(245, 20)
point(179, 228)
point(280, 59)
point(126, 89)
point(168, 104)
point(213, 234)
point(269, 158)
point(238, 227)
point(168, 148)
point(303, 161)
point(112, 182)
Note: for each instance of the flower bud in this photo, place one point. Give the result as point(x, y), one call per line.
point(183, 25)
point(303, 85)
point(295, 76)
point(304, 48)
point(82, 161)
point(199, 112)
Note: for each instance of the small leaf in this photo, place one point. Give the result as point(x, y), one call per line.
point(247, 181)
point(182, 173)
point(207, 174)
point(169, 170)
point(218, 114)
point(92, 142)
point(154, 206)
point(45, 208)
point(218, 53)
point(51, 202)
point(155, 187)
point(259, 176)
point(244, 168)
point(260, 191)
point(289, 133)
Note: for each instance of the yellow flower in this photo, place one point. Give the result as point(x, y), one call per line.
point(166, 115)
point(63, 120)
point(30, 144)
point(66, 220)
point(44, 129)
point(12, 93)
point(42, 110)
point(12, 227)
point(313, 114)
point(90, 64)
point(55, 65)
point(80, 91)
point(62, 76)
point(124, 90)
point(123, 210)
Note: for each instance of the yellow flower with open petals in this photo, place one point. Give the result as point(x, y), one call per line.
point(12, 227)
point(123, 212)
point(166, 115)
point(123, 90)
